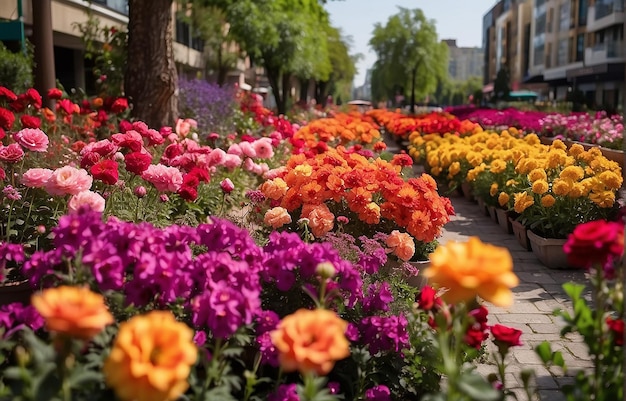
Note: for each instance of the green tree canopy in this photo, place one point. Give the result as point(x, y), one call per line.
point(410, 58)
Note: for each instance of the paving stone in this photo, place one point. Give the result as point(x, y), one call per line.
point(524, 318)
point(545, 328)
point(551, 395)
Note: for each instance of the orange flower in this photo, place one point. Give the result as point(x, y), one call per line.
point(274, 189)
point(311, 341)
point(473, 269)
point(151, 358)
point(370, 213)
point(401, 244)
point(321, 219)
point(277, 217)
point(73, 311)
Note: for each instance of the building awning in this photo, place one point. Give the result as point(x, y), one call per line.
point(523, 94)
point(533, 79)
point(488, 88)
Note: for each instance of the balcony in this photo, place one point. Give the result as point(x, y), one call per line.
point(609, 52)
point(605, 14)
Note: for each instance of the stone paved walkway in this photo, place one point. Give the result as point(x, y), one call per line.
point(537, 296)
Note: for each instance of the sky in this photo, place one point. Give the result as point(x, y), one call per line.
point(455, 19)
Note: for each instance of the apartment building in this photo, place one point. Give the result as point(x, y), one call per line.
point(71, 67)
point(464, 62)
point(570, 49)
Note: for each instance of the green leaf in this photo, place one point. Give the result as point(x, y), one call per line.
point(48, 385)
point(79, 378)
point(477, 388)
point(544, 351)
point(557, 359)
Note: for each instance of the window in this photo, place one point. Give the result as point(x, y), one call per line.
point(184, 36)
point(564, 16)
point(583, 6)
point(120, 6)
point(538, 55)
point(561, 56)
point(580, 47)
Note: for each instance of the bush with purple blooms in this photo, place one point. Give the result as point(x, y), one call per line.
point(211, 105)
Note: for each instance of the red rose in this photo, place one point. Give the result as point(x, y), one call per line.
point(12, 153)
point(202, 174)
point(3, 175)
point(427, 298)
point(596, 242)
point(105, 171)
point(125, 125)
point(617, 328)
point(480, 316)
point(119, 105)
point(30, 121)
point(55, 93)
point(137, 162)
point(89, 159)
point(66, 105)
point(191, 180)
point(7, 118)
point(506, 336)
point(2, 133)
point(474, 337)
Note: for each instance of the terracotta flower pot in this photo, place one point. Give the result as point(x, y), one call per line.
point(549, 251)
point(482, 206)
point(521, 233)
point(503, 220)
point(492, 213)
point(466, 187)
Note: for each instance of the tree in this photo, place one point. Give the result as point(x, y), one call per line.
point(502, 84)
point(151, 81)
point(343, 68)
point(409, 55)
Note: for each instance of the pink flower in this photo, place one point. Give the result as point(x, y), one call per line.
point(164, 178)
point(247, 149)
point(12, 153)
point(32, 139)
point(234, 149)
point(36, 177)
point(227, 185)
point(217, 157)
point(231, 161)
point(183, 127)
point(68, 180)
point(263, 148)
point(86, 199)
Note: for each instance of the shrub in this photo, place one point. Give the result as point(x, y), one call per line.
point(16, 69)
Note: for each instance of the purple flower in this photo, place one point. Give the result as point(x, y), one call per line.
point(378, 298)
point(378, 393)
point(269, 354)
point(384, 333)
point(285, 392)
point(209, 104)
point(15, 316)
point(222, 310)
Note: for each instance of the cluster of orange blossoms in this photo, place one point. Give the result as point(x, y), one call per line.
point(401, 125)
point(343, 129)
point(336, 182)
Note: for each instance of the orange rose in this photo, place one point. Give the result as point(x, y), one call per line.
point(401, 244)
point(473, 269)
point(277, 217)
point(73, 311)
point(321, 219)
point(151, 358)
point(311, 341)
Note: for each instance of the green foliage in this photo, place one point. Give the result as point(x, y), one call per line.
point(410, 58)
point(16, 69)
point(502, 86)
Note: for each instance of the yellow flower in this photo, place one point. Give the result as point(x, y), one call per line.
point(473, 269)
point(537, 174)
point(576, 149)
point(498, 166)
point(572, 173)
point(547, 200)
point(522, 201)
point(603, 199)
point(558, 144)
point(511, 182)
point(311, 341)
point(303, 170)
point(494, 189)
point(540, 187)
point(503, 198)
point(73, 311)
point(561, 187)
point(611, 179)
point(454, 168)
point(151, 358)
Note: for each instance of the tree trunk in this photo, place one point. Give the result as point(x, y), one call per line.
point(44, 49)
point(282, 107)
point(322, 92)
point(304, 90)
point(151, 81)
point(413, 74)
point(273, 76)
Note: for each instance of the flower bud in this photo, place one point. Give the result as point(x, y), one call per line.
point(140, 191)
point(164, 198)
point(325, 270)
point(227, 185)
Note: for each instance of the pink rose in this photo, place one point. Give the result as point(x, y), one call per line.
point(36, 177)
point(263, 148)
point(182, 127)
point(12, 153)
point(227, 185)
point(86, 199)
point(68, 180)
point(231, 162)
point(217, 157)
point(234, 149)
point(247, 149)
point(164, 178)
point(32, 139)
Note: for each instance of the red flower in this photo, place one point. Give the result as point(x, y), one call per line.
point(125, 125)
point(505, 337)
point(105, 171)
point(8, 94)
point(2, 133)
point(137, 162)
point(402, 160)
point(33, 97)
point(55, 93)
point(188, 193)
point(3, 175)
point(119, 105)
point(6, 118)
point(30, 121)
point(474, 337)
point(427, 299)
point(596, 242)
point(66, 105)
point(617, 328)
point(202, 174)
point(89, 159)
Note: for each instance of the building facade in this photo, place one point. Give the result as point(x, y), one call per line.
point(72, 69)
point(464, 62)
point(564, 49)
